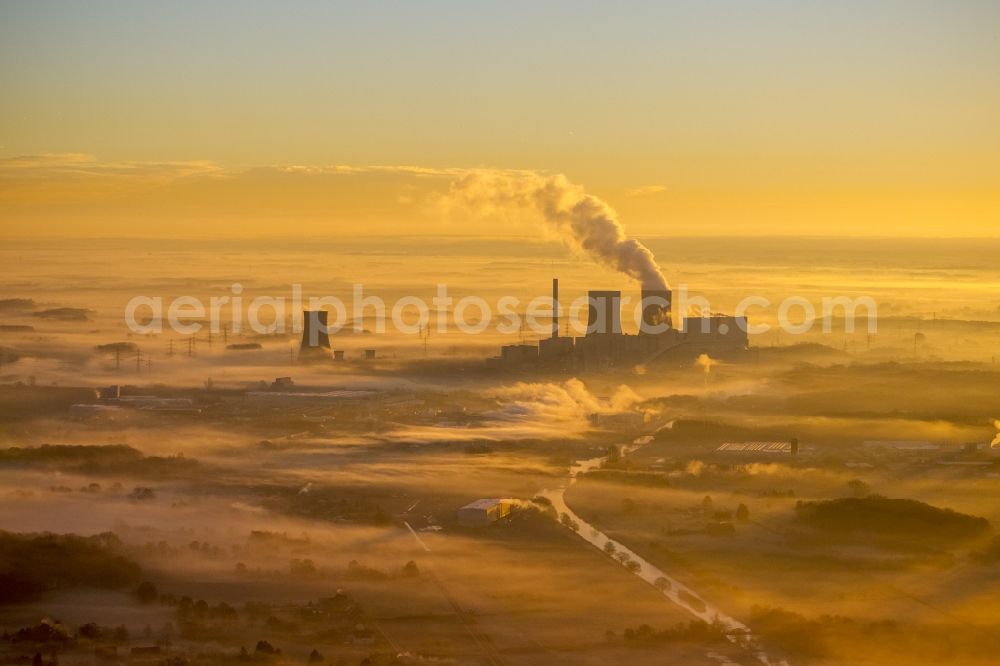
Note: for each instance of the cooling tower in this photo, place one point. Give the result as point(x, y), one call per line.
point(315, 340)
point(604, 312)
point(655, 311)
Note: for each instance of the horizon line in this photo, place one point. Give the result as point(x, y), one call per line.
point(521, 237)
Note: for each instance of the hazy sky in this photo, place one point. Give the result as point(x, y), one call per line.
point(788, 117)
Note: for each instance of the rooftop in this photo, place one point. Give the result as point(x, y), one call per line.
point(755, 447)
point(483, 503)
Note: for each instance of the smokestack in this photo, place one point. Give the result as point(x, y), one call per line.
point(555, 307)
point(314, 334)
point(604, 312)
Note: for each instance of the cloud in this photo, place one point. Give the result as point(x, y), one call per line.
point(46, 159)
point(67, 193)
point(65, 175)
point(584, 222)
point(565, 405)
point(32, 183)
point(530, 410)
point(706, 362)
point(54, 166)
point(59, 167)
point(348, 170)
point(645, 190)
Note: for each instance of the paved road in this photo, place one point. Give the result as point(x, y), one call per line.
point(677, 592)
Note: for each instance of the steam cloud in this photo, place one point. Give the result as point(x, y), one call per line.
point(705, 362)
point(560, 403)
point(581, 220)
point(531, 410)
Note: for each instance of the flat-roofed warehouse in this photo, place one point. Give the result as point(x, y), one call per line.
point(755, 447)
point(484, 512)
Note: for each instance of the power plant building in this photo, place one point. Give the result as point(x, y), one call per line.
point(518, 354)
point(605, 344)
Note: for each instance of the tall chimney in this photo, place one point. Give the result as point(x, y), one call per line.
point(555, 307)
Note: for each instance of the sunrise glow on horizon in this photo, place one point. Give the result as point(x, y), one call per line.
point(776, 118)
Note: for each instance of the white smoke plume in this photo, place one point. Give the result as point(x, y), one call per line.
point(705, 362)
point(560, 403)
point(584, 222)
point(530, 410)
point(995, 444)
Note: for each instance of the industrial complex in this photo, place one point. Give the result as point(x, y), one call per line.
point(605, 345)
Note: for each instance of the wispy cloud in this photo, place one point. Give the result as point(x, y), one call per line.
point(65, 189)
point(81, 165)
point(646, 190)
point(345, 169)
point(64, 166)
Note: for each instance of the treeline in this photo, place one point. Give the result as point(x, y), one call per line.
point(69, 454)
point(97, 459)
point(695, 631)
point(885, 518)
point(31, 564)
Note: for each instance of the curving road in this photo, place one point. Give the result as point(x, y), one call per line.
point(677, 592)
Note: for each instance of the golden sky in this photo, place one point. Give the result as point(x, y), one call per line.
point(259, 118)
